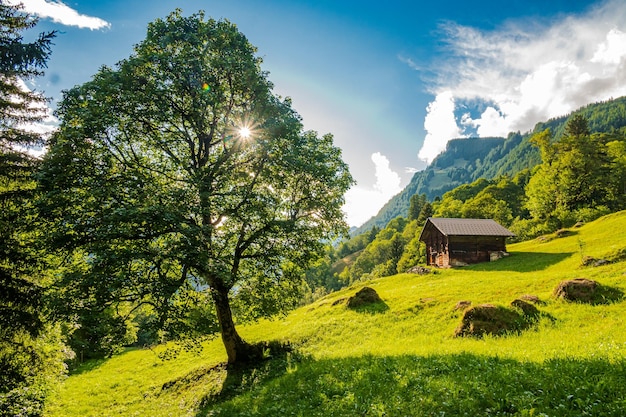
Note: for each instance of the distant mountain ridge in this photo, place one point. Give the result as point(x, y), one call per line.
point(467, 159)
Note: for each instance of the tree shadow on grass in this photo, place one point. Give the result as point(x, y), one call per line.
point(228, 381)
point(522, 262)
point(77, 368)
point(459, 384)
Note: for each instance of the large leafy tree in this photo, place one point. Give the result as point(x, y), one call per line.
point(575, 173)
point(180, 173)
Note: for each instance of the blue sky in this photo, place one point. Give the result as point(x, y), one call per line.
point(393, 81)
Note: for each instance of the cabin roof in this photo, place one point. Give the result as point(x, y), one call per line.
point(466, 227)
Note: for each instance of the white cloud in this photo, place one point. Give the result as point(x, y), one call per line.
point(61, 13)
point(613, 50)
point(440, 126)
point(387, 181)
point(363, 203)
point(527, 72)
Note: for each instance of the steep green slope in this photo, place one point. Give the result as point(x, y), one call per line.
point(400, 357)
point(466, 160)
point(452, 168)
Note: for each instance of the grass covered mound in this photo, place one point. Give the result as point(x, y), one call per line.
point(497, 320)
point(404, 360)
point(363, 297)
point(577, 289)
point(583, 290)
point(487, 319)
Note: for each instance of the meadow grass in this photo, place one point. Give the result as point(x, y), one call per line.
point(400, 357)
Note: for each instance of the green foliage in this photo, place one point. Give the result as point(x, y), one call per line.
point(425, 213)
point(526, 229)
point(31, 350)
point(414, 253)
point(466, 191)
point(381, 256)
point(577, 174)
point(30, 368)
point(449, 207)
point(322, 276)
point(357, 243)
point(417, 203)
point(486, 206)
point(153, 193)
point(500, 199)
point(20, 61)
point(616, 150)
point(100, 334)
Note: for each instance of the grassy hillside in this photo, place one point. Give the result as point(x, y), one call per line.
point(400, 357)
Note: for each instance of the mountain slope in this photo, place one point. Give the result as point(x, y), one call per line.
point(463, 161)
point(466, 160)
point(400, 357)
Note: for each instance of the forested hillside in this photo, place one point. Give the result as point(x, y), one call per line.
point(466, 160)
point(581, 175)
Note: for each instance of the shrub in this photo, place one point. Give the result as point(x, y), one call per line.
point(589, 214)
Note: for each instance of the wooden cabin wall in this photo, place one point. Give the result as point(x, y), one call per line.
point(437, 250)
point(474, 249)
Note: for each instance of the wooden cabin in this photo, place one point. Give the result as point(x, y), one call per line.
point(458, 242)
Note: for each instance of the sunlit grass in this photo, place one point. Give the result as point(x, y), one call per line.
point(403, 358)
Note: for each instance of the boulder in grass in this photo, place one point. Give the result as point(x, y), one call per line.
point(591, 261)
point(578, 289)
point(419, 270)
point(363, 297)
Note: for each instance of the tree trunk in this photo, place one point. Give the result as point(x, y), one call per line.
point(236, 348)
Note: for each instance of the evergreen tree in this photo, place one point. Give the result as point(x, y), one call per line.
point(425, 213)
point(22, 359)
point(415, 206)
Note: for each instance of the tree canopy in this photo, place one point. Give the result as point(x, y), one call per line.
point(178, 174)
point(575, 173)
